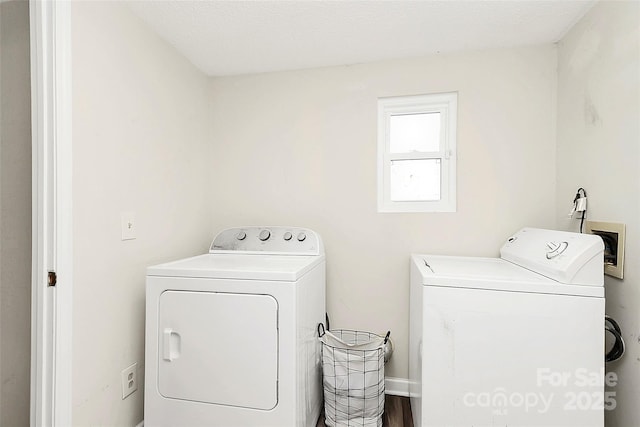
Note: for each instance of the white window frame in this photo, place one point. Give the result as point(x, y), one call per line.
point(447, 105)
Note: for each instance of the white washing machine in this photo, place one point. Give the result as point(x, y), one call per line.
point(510, 341)
point(231, 336)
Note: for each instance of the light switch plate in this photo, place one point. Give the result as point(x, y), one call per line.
point(128, 225)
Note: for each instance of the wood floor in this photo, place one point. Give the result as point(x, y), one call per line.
point(397, 413)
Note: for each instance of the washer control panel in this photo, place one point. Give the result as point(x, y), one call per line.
point(559, 255)
point(268, 240)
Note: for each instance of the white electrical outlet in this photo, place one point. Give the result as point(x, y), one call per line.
point(128, 225)
point(129, 380)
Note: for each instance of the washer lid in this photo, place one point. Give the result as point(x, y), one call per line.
point(491, 273)
point(231, 266)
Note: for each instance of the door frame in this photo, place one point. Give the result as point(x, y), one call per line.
point(51, 306)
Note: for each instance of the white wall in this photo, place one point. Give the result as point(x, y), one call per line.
point(139, 134)
point(15, 213)
point(299, 148)
point(598, 142)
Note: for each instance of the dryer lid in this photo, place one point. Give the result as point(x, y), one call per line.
point(208, 356)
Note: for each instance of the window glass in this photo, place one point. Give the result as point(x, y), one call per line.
point(415, 180)
point(417, 153)
point(414, 132)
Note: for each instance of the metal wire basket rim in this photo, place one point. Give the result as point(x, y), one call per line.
point(368, 334)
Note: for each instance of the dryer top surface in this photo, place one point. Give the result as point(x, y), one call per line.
point(242, 266)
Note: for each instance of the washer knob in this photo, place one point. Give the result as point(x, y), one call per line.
point(556, 249)
point(241, 235)
point(264, 235)
point(287, 236)
point(301, 237)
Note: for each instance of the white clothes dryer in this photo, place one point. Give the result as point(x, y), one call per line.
point(231, 336)
point(516, 340)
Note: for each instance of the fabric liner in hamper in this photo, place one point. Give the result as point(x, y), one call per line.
point(353, 376)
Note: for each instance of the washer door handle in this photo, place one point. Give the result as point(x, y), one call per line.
point(170, 344)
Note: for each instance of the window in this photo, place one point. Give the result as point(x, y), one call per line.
point(417, 153)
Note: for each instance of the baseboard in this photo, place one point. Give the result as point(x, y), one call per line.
point(396, 386)
point(393, 386)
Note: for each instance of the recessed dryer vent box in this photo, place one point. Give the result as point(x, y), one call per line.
point(612, 235)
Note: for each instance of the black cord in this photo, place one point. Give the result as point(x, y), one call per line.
point(613, 323)
point(617, 350)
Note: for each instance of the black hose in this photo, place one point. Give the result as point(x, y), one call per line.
point(617, 350)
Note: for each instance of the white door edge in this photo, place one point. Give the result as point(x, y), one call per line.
point(51, 348)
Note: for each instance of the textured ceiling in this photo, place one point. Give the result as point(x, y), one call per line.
point(243, 37)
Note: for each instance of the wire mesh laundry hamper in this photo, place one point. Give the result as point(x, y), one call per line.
point(353, 377)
